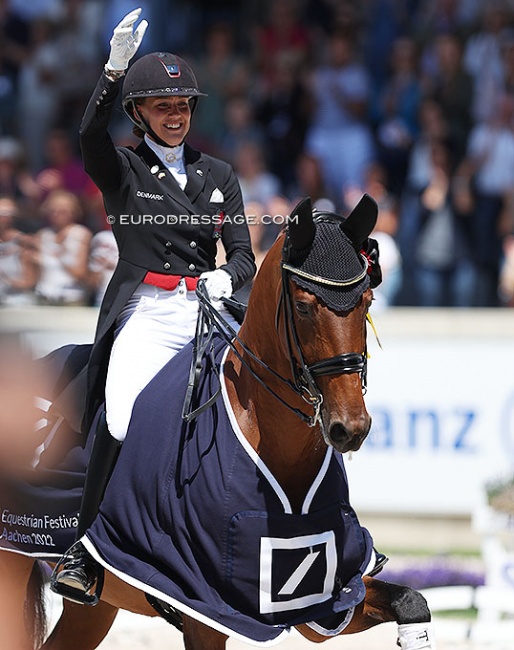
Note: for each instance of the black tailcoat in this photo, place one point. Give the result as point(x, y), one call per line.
point(158, 226)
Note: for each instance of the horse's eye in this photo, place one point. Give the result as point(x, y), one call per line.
point(302, 308)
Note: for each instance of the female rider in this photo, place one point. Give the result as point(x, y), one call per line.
point(168, 205)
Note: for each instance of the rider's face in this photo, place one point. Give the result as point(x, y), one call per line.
point(168, 117)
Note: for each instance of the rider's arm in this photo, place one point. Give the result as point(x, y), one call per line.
point(235, 236)
point(101, 160)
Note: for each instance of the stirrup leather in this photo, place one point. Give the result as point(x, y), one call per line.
point(77, 577)
point(167, 612)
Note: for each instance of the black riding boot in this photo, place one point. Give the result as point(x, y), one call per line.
point(77, 576)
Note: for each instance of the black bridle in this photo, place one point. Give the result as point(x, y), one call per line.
point(304, 374)
point(303, 383)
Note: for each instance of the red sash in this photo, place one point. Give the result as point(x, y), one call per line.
point(169, 282)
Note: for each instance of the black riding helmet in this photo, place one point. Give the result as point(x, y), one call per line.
point(159, 74)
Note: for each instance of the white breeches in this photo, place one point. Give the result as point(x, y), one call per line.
point(154, 325)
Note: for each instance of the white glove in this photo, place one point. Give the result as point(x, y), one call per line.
point(218, 284)
point(125, 42)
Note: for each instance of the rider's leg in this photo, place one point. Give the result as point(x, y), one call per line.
point(154, 326)
point(77, 576)
point(103, 458)
point(159, 326)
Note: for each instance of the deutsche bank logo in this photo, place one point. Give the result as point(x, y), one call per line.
point(296, 572)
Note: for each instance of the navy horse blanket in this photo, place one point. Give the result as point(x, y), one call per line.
point(192, 516)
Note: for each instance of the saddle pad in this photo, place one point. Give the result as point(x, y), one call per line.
point(193, 517)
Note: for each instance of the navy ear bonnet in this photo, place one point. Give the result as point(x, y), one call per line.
point(333, 257)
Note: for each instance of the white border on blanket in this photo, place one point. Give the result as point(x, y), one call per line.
point(254, 456)
point(185, 609)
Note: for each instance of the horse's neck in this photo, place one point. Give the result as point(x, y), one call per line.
point(291, 450)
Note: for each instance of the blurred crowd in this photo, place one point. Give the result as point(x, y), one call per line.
point(409, 100)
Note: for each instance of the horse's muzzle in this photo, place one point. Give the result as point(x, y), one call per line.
point(344, 438)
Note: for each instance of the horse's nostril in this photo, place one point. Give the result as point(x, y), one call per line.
point(345, 439)
point(338, 433)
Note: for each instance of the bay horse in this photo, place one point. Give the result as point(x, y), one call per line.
point(291, 384)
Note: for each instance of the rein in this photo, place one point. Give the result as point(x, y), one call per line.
point(304, 384)
point(202, 342)
point(208, 319)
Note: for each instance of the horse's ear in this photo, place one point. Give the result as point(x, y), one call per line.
point(361, 220)
point(301, 228)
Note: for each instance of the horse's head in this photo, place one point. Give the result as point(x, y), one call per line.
point(326, 290)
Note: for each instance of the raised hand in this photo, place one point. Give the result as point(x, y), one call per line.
point(125, 41)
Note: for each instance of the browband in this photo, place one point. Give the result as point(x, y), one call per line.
point(332, 283)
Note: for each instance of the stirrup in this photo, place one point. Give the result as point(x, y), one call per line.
point(380, 561)
point(77, 566)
